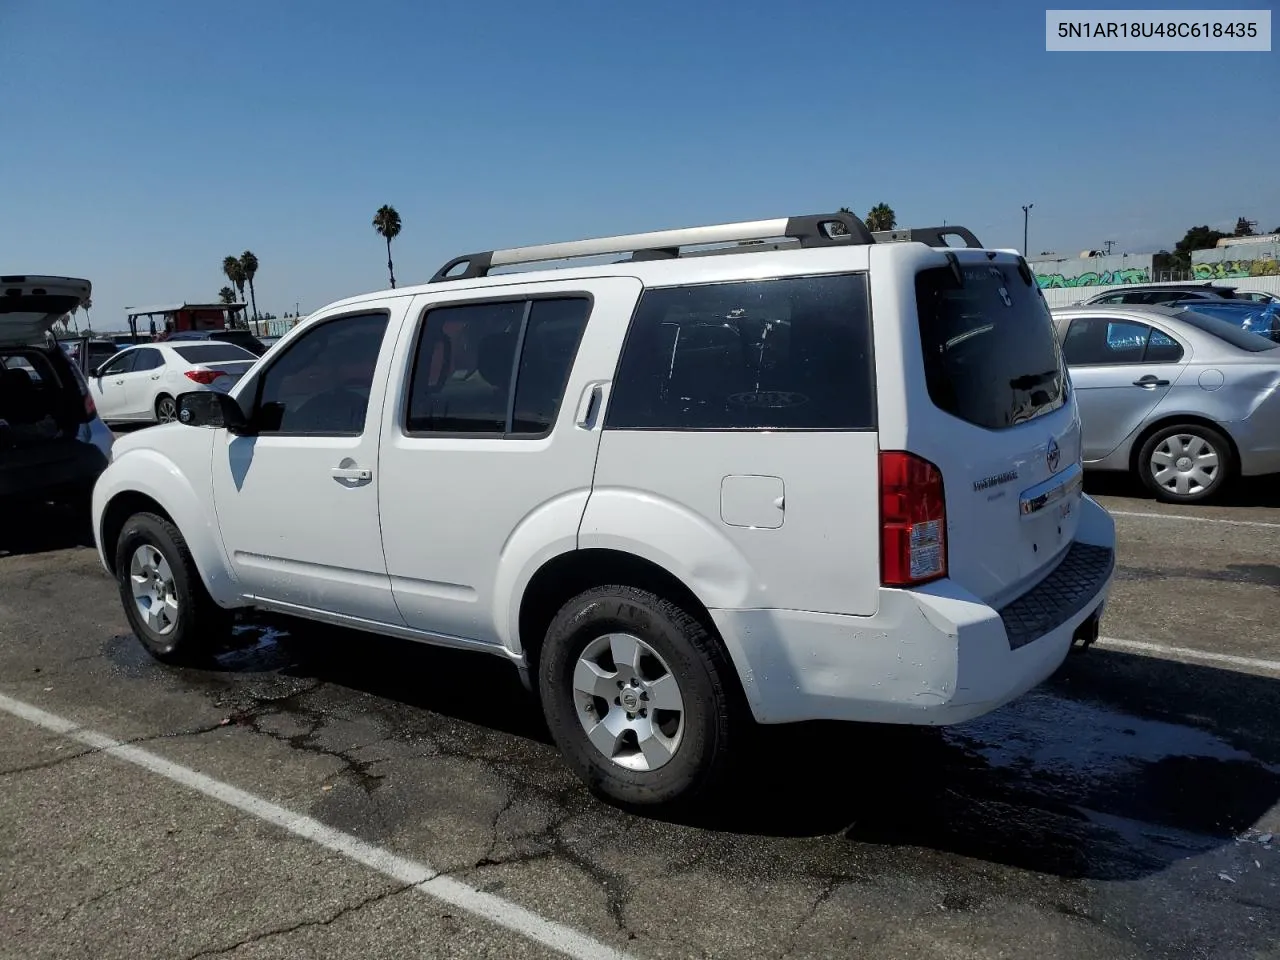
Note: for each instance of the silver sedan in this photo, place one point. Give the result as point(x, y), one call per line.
point(1185, 401)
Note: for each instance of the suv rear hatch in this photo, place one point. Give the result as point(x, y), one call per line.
point(43, 403)
point(1008, 441)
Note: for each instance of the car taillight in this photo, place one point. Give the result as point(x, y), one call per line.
point(90, 408)
point(205, 377)
point(913, 520)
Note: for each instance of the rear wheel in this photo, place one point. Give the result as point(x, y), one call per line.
point(637, 695)
point(1185, 463)
point(164, 599)
point(166, 409)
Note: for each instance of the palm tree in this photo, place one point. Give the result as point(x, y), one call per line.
point(249, 266)
point(88, 302)
point(233, 271)
point(881, 217)
point(226, 295)
point(387, 223)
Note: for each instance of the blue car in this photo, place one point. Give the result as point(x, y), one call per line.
point(1260, 318)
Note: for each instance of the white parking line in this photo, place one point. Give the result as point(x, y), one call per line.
point(1188, 653)
point(425, 880)
point(1182, 516)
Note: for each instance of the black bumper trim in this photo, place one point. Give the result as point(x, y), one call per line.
point(1060, 596)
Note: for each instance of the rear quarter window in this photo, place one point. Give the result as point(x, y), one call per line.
point(785, 354)
point(991, 356)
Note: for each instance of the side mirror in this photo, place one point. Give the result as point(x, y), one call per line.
point(205, 408)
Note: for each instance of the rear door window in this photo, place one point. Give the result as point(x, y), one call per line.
point(1101, 341)
point(783, 354)
point(991, 355)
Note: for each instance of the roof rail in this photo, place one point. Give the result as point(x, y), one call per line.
point(815, 230)
point(932, 236)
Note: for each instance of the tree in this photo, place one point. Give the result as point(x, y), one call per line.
point(1244, 227)
point(226, 295)
point(881, 217)
point(249, 267)
point(88, 302)
point(387, 223)
point(1197, 238)
point(233, 270)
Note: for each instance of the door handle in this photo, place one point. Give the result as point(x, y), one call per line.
point(351, 473)
point(589, 405)
point(1150, 382)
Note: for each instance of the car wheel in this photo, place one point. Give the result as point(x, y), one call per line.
point(166, 409)
point(164, 598)
point(1185, 463)
point(637, 696)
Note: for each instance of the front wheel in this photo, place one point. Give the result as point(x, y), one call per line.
point(164, 599)
point(1185, 463)
point(637, 696)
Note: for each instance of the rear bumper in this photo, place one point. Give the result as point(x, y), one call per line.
point(62, 469)
point(936, 655)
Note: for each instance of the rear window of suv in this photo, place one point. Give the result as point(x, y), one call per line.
point(990, 354)
point(785, 354)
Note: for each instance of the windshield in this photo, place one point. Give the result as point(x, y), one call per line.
point(212, 352)
point(990, 353)
point(1232, 333)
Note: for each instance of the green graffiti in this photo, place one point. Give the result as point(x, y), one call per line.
point(1233, 269)
point(1052, 281)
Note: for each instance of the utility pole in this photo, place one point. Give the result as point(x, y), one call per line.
point(1026, 215)
point(1108, 244)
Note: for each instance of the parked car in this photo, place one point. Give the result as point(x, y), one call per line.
point(840, 481)
point(53, 446)
point(141, 383)
point(1146, 293)
point(90, 353)
point(1257, 296)
point(1183, 400)
point(241, 338)
point(1260, 318)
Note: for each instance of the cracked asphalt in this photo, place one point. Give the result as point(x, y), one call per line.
point(1121, 811)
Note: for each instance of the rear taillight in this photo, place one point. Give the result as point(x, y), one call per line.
point(913, 520)
point(204, 377)
point(90, 408)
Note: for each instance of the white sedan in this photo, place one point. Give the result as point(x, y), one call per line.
point(140, 384)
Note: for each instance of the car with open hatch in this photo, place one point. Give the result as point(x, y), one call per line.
point(760, 472)
point(53, 444)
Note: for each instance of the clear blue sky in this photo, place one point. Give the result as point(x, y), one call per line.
point(144, 140)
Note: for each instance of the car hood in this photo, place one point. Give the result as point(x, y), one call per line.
point(30, 305)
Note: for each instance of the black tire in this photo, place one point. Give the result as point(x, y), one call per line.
point(1187, 434)
point(713, 716)
point(200, 625)
point(165, 404)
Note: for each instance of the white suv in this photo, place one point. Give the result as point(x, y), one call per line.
point(836, 475)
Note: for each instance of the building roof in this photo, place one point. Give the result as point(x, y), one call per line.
point(175, 307)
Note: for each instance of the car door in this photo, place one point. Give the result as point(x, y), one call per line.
point(110, 386)
point(1121, 369)
point(143, 382)
point(297, 500)
point(495, 435)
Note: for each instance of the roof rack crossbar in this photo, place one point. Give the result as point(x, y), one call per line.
point(931, 236)
point(815, 230)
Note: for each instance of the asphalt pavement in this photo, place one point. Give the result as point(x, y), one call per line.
point(323, 793)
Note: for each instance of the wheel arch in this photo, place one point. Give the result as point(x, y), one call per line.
point(563, 577)
point(143, 481)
